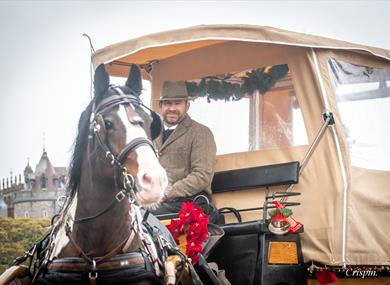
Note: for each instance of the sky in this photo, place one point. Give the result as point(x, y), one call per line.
point(45, 60)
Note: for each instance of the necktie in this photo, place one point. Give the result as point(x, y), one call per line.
point(166, 134)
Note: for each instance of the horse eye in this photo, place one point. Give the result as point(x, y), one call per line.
point(109, 125)
point(141, 124)
point(138, 121)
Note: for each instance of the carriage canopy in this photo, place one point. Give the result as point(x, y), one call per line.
point(263, 91)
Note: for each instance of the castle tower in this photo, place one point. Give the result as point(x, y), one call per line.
point(37, 196)
point(28, 174)
point(44, 174)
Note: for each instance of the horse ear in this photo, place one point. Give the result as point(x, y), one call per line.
point(101, 80)
point(134, 80)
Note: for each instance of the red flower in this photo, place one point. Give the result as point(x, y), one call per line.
point(193, 249)
point(176, 229)
point(324, 277)
point(193, 222)
point(186, 212)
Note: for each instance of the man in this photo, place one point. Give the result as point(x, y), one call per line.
point(186, 150)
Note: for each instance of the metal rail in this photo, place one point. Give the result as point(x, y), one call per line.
point(328, 121)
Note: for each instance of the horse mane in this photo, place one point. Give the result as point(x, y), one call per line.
point(79, 147)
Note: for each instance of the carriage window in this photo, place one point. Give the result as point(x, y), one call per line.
point(250, 109)
point(363, 99)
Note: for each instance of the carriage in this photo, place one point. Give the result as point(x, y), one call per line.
point(291, 114)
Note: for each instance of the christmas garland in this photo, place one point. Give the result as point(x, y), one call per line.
point(193, 223)
point(218, 88)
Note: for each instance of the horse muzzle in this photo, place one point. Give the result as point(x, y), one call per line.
point(151, 177)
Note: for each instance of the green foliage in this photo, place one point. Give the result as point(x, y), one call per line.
point(217, 88)
point(17, 236)
point(285, 212)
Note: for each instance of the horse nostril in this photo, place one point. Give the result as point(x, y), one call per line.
point(146, 179)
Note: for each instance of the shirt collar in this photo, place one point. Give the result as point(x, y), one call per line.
point(169, 128)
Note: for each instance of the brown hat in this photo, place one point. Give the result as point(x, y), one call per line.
point(174, 91)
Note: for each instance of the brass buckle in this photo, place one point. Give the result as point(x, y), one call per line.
point(120, 196)
point(93, 274)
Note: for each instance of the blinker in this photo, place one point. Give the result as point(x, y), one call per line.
point(156, 126)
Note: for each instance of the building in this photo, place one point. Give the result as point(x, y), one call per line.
point(36, 196)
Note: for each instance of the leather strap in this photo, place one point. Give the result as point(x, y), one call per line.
point(116, 100)
point(75, 264)
point(76, 246)
point(106, 257)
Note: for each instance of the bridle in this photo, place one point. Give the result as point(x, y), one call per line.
point(127, 186)
point(146, 255)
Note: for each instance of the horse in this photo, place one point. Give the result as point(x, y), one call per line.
point(114, 169)
point(101, 235)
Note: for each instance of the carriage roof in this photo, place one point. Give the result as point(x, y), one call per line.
point(159, 46)
point(334, 190)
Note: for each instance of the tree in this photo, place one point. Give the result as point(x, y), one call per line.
point(17, 236)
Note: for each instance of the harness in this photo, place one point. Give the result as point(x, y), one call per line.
point(113, 267)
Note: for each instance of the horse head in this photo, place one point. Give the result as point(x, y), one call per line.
point(118, 149)
point(122, 127)
point(113, 158)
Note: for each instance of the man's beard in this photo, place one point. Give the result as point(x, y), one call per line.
point(174, 121)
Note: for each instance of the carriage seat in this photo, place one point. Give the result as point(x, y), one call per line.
point(252, 177)
point(256, 177)
point(249, 178)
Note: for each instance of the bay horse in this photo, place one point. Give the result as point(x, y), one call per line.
point(114, 169)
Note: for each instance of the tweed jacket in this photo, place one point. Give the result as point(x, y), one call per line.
point(188, 156)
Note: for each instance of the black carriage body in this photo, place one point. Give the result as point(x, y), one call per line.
point(243, 252)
